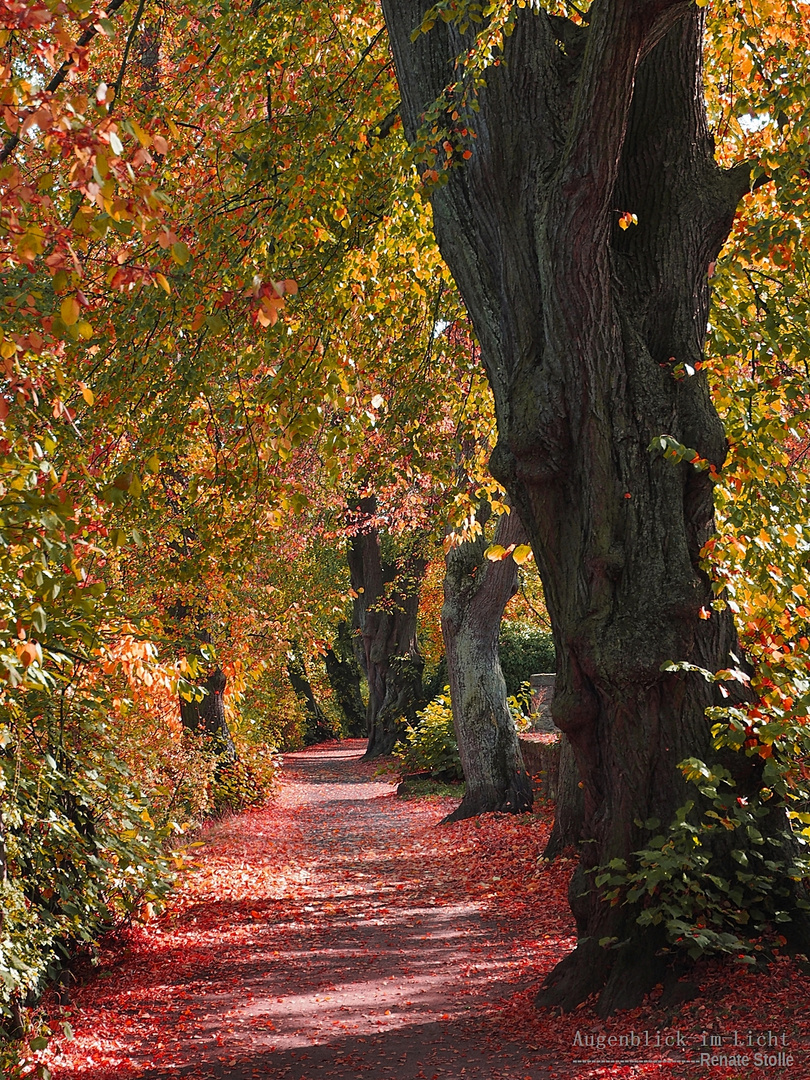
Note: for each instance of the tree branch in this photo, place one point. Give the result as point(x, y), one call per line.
point(620, 34)
point(130, 38)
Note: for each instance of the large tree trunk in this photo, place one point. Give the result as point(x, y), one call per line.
point(385, 609)
point(476, 592)
point(583, 330)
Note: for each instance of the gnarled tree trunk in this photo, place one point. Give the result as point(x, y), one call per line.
point(385, 610)
point(588, 332)
point(476, 592)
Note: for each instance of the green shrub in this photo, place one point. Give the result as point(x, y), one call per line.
point(431, 744)
point(524, 651)
point(705, 908)
point(82, 851)
point(242, 783)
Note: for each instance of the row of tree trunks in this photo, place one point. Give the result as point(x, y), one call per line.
point(318, 727)
point(582, 328)
point(476, 592)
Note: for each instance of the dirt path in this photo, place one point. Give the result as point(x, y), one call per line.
point(338, 933)
point(324, 936)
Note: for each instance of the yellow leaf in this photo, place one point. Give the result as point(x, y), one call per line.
point(153, 463)
point(69, 310)
point(163, 283)
point(87, 394)
point(495, 552)
point(521, 553)
point(180, 253)
point(143, 137)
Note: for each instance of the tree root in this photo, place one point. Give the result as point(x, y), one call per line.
point(517, 799)
point(621, 977)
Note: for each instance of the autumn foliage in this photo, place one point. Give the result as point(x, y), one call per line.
point(223, 318)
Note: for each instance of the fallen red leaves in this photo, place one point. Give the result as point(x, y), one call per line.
point(338, 931)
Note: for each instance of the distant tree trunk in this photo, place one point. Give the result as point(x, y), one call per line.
point(385, 610)
point(569, 816)
point(476, 592)
point(318, 727)
point(343, 672)
point(207, 717)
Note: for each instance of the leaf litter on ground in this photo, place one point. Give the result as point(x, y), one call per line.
point(340, 931)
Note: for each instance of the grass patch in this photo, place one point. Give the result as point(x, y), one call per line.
point(425, 787)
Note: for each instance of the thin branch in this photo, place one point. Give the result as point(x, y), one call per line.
point(130, 38)
point(12, 142)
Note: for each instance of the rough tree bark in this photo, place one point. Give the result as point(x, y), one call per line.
point(583, 328)
point(476, 592)
point(343, 672)
point(385, 609)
